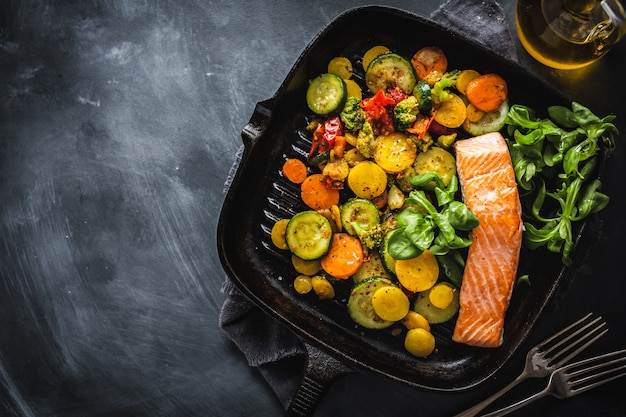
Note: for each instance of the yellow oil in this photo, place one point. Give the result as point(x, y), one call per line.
point(556, 49)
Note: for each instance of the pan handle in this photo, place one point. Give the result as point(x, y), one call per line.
point(258, 121)
point(321, 372)
point(256, 126)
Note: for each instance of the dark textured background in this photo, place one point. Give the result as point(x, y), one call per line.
point(119, 122)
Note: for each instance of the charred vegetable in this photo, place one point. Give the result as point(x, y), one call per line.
point(388, 71)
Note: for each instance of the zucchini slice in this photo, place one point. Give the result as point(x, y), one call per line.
point(389, 71)
point(433, 314)
point(360, 303)
point(308, 235)
point(326, 94)
point(389, 221)
point(435, 160)
point(388, 261)
point(361, 211)
point(490, 122)
point(373, 267)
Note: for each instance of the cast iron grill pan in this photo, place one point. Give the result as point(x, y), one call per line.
point(259, 196)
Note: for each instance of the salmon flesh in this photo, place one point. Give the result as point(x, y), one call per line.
point(489, 190)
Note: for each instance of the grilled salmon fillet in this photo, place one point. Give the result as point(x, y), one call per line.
point(489, 190)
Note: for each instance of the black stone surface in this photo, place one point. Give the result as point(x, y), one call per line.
point(119, 121)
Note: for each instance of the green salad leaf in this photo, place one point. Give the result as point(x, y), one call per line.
point(554, 161)
point(423, 225)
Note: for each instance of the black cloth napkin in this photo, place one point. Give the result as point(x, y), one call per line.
point(268, 345)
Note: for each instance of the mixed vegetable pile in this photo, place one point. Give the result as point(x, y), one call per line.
point(385, 214)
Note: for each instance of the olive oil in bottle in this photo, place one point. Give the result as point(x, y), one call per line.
point(569, 34)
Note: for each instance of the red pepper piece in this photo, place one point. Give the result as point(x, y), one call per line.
point(378, 113)
point(325, 134)
point(332, 129)
point(397, 94)
point(420, 126)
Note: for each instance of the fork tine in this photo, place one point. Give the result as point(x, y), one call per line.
point(580, 348)
point(585, 336)
point(585, 378)
point(574, 379)
point(565, 330)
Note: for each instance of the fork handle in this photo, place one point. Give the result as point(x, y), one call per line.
point(510, 408)
point(471, 412)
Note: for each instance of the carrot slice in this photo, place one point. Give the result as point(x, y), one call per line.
point(430, 63)
point(487, 92)
point(344, 257)
point(294, 170)
point(316, 194)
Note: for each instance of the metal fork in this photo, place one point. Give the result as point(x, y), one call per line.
point(576, 378)
point(550, 354)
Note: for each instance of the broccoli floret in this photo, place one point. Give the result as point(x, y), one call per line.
point(352, 115)
point(366, 140)
point(439, 90)
point(370, 238)
point(405, 113)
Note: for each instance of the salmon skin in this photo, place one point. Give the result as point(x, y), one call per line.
point(489, 190)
